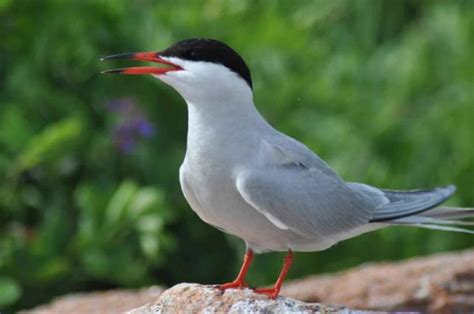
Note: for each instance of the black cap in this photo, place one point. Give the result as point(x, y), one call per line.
point(210, 50)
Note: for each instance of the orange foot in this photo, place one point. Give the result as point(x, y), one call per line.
point(236, 284)
point(239, 281)
point(269, 292)
point(273, 292)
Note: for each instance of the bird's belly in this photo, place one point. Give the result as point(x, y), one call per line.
point(217, 202)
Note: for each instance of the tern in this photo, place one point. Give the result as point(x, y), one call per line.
point(247, 179)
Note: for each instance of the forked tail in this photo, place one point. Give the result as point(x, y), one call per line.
point(418, 208)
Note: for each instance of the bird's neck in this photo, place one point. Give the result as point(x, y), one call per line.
point(213, 124)
point(222, 112)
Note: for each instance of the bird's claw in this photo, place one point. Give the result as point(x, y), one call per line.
point(233, 285)
point(272, 293)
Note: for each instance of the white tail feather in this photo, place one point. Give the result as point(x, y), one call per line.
point(444, 228)
point(428, 220)
point(449, 212)
point(435, 223)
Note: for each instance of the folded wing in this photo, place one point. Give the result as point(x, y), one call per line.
point(296, 190)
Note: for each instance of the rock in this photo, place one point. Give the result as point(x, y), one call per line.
point(113, 301)
point(440, 283)
point(194, 298)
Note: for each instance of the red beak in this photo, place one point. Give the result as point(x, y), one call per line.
point(143, 56)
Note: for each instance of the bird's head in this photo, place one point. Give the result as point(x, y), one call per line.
point(201, 70)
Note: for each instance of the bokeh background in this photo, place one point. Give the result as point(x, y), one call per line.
point(89, 192)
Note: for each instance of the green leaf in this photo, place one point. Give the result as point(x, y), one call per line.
point(145, 199)
point(150, 245)
point(51, 144)
point(10, 291)
point(119, 202)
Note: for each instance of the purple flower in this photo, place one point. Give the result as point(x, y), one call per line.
point(131, 124)
point(145, 128)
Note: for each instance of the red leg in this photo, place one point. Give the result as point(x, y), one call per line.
point(239, 282)
point(273, 292)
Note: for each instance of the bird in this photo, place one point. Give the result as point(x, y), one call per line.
point(246, 178)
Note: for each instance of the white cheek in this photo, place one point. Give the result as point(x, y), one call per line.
point(178, 79)
point(184, 82)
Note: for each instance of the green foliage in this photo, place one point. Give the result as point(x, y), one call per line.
point(10, 291)
point(55, 141)
point(381, 90)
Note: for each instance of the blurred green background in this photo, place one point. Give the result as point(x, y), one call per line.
point(89, 192)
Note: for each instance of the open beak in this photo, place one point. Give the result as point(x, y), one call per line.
point(143, 56)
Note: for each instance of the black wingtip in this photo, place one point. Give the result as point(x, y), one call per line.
point(126, 55)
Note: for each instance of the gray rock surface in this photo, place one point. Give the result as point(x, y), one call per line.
point(194, 298)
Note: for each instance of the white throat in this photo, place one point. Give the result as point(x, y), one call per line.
point(219, 120)
point(220, 105)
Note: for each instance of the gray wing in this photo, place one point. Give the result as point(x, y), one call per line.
point(296, 190)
